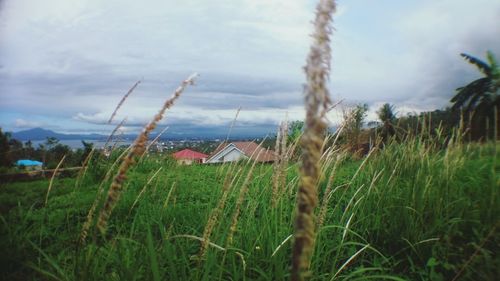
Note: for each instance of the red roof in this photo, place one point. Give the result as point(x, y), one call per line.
point(189, 154)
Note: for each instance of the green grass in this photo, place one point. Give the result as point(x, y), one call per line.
point(413, 212)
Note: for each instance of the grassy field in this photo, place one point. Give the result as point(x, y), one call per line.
point(408, 212)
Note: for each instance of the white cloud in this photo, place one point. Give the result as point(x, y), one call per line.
point(26, 124)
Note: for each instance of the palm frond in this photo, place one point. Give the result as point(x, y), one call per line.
point(495, 67)
point(469, 93)
point(481, 65)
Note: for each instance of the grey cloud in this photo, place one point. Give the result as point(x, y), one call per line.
point(62, 63)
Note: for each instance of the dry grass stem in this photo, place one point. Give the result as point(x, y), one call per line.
point(232, 123)
point(169, 195)
point(83, 171)
point(138, 148)
point(212, 245)
point(281, 245)
point(110, 137)
point(52, 179)
point(154, 140)
point(144, 189)
point(123, 100)
point(316, 102)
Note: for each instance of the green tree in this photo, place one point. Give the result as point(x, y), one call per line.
point(51, 142)
point(295, 130)
point(387, 115)
point(4, 150)
point(87, 148)
point(353, 124)
point(29, 150)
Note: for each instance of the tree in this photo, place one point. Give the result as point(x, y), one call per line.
point(51, 142)
point(87, 148)
point(387, 116)
point(480, 97)
point(4, 149)
point(29, 150)
point(295, 130)
point(353, 123)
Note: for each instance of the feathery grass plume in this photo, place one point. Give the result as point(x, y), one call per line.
point(52, 179)
point(281, 162)
point(316, 102)
point(136, 151)
point(123, 100)
point(100, 191)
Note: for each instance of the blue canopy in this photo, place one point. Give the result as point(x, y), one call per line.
point(26, 162)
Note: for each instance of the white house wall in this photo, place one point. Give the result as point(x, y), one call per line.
point(233, 155)
point(229, 154)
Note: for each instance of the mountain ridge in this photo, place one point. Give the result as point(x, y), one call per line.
point(38, 133)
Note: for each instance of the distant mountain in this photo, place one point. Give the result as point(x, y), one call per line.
point(174, 133)
point(42, 134)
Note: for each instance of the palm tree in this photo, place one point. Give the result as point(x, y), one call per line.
point(387, 115)
point(482, 95)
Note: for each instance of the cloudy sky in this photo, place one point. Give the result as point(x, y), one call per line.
point(64, 65)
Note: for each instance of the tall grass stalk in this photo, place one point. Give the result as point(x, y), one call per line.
point(136, 151)
point(239, 201)
point(217, 211)
point(232, 124)
point(281, 163)
point(150, 180)
point(112, 134)
point(123, 100)
point(154, 141)
point(83, 170)
point(328, 192)
point(100, 190)
point(52, 179)
point(316, 102)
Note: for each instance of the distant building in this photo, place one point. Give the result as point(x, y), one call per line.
point(29, 164)
point(188, 157)
point(234, 151)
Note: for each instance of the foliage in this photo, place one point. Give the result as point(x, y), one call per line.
point(295, 129)
point(353, 125)
point(4, 149)
point(480, 99)
point(49, 153)
point(413, 211)
point(387, 116)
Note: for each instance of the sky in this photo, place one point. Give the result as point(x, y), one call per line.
point(65, 65)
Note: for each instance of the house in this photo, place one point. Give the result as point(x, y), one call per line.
point(234, 151)
point(29, 164)
point(188, 157)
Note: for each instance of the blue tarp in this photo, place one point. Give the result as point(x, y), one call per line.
point(26, 163)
